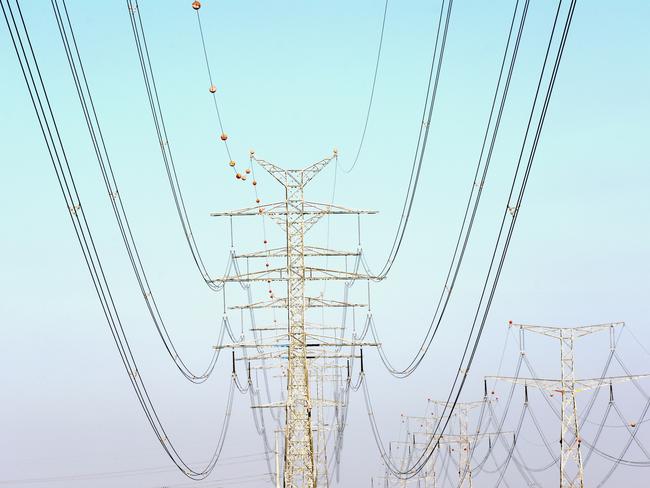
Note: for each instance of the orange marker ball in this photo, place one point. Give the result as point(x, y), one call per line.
point(196, 5)
point(213, 89)
point(232, 164)
point(224, 136)
point(238, 176)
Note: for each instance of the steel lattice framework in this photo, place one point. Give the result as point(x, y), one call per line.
point(571, 465)
point(296, 216)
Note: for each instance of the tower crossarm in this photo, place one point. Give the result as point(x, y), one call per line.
point(277, 327)
point(270, 405)
point(564, 332)
point(555, 385)
point(280, 209)
point(294, 176)
point(466, 438)
point(310, 251)
point(284, 344)
point(459, 405)
point(310, 302)
point(283, 355)
point(275, 171)
point(457, 439)
point(310, 171)
point(311, 273)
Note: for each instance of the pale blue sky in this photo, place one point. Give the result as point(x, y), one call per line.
point(293, 80)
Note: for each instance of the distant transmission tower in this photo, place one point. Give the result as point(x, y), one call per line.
point(419, 442)
point(571, 467)
point(463, 439)
point(296, 216)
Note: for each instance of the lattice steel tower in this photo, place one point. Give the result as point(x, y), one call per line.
point(296, 216)
point(571, 465)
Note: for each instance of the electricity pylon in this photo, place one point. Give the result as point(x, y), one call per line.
point(571, 466)
point(424, 426)
point(461, 412)
point(296, 216)
point(464, 440)
point(422, 438)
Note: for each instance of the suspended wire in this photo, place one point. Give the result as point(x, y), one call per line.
point(84, 94)
point(554, 457)
point(230, 461)
point(423, 136)
point(163, 140)
point(514, 445)
point(499, 425)
point(214, 96)
point(372, 96)
point(584, 416)
point(512, 210)
point(636, 339)
point(515, 456)
point(47, 122)
point(598, 433)
point(455, 264)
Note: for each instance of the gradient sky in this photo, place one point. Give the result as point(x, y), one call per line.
point(293, 80)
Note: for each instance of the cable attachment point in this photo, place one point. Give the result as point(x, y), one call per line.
point(74, 208)
point(113, 195)
point(513, 210)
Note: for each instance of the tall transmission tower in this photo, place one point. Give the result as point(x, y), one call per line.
point(571, 465)
point(296, 216)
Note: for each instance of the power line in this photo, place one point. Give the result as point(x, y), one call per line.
point(427, 114)
point(512, 209)
point(372, 95)
point(45, 115)
point(91, 118)
point(163, 139)
point(466, 227)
